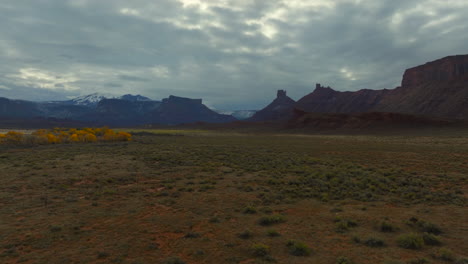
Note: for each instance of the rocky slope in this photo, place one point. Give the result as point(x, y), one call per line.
point(178, 110)
point(280, 109)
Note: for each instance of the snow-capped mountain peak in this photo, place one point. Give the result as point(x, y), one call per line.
point(90, 99)
point(95, 98)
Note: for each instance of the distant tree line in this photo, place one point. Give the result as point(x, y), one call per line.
point(64, 136)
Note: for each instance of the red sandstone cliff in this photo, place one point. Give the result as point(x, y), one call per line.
point(435, 89)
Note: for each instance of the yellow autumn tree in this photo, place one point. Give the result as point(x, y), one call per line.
point(74, 138)
point(52, 139)
point(109, 135)
point(39, 132)
point(15, 137)
point(90, 138)
point(123, 136)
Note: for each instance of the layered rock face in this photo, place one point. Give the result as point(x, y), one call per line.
point(438, 89)
point(435, 89)
point(327, 100)
point(452, 68)
point(279, 110)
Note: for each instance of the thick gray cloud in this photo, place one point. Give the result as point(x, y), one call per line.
point(232, 53)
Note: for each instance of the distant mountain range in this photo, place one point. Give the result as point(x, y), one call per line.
point(434, 91)
point(95, 98)
point(437, 89)
point(126, 110)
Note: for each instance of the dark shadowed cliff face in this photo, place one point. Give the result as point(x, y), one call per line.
point(435, 89)
point(327, 100)
point(448, 69)
point(178, 110)
point(438, 88)
point(279, 110)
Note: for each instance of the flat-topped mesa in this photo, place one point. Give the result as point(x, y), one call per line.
point(450, 68)
point(176, 99)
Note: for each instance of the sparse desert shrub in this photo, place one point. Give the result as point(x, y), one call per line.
point(250, 210)
point(429, 228)
point(374, 242)
point(174, 260)
point(410, 241)
point(298, 248)
point(271, 220)
point(343, 260)
point(273, 233)
point(424, 226)
point(343, 224)
point(260, 250)
point(462, 261)
point(55, 229)
point(419, 261)
point(214, 219)
point(445, 254)
point(356, 239)
point(245, 234)
point(102, 255)
point(387, 227)
point(431, 239)
point(192, 235)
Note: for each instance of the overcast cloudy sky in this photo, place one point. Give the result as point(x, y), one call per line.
point(234, 54)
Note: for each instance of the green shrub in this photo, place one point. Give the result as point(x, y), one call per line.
point(102, 255)
point(192, 235)
point(343, 224)
point(260, 250)
point(298, 248)
point(271, 220)
point(431, 240)
point(250, 210)
point(343, 260)
point(387, 227)
point(445, 254)
point(273, 233)
point(55, 229)
point(174, 260)
point(419, 261)
point(356, 239)
point(245, 234)
point(410, 241)
point(425, 226)
point(429, 228)
point(462, 261)
point(374, 242)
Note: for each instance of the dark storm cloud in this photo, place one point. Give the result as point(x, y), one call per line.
point(231, 53)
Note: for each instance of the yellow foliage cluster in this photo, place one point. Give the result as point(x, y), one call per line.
point(12, 136)
point(63, 135)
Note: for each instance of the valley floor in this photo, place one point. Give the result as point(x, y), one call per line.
point(208, 197)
